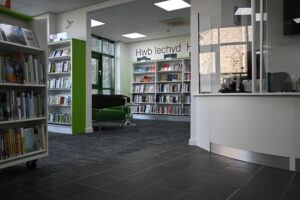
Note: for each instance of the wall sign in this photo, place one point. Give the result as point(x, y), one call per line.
point(162, 50)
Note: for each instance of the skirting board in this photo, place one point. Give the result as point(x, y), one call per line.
point(192, 142)
point(252, 157)
point(162, 117)
point(89, 129)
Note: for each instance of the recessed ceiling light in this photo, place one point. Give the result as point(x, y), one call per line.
point(173, 5)
point(297, 20)
point(96, 23)
point(134, 35)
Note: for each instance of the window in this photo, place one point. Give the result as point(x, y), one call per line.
point(103, 65)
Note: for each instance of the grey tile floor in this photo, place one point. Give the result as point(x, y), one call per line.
point(161, 172)
point(175, 172)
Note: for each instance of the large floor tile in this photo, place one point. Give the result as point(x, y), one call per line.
point(68, 190)
point(157, 193)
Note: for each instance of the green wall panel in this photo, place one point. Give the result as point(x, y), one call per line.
point(78, 86)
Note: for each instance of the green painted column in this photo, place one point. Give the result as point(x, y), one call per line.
point(78, 86)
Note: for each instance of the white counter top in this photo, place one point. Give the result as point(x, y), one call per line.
point(248, 94)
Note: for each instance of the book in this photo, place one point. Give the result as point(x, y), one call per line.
point(30, 38)
point(11, 33)
point(30, 140)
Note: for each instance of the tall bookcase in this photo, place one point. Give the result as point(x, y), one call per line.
point(23, 105)
point(162, 87)
point(67, 86)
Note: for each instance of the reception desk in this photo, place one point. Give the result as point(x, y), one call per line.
point(259, 128)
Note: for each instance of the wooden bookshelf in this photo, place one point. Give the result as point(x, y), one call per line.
point(167, 85)
point(62, 117)
point(21, 119)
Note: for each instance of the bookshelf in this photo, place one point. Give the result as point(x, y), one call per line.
point(162, 87)
point(66, 86)
point(23, 92)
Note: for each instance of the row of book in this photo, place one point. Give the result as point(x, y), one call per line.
point(59, 53)
point(144, 69)
point(144, 79)
point(170, 77)
point(144, 88)
point(64, 66)
point(187, 77)
point(187, 67)
point(143, 98)
point(187, 99)
point(19, 141)
point(60, 118)
point(143, 109)
point(171, 67)
point(60, 100)
point(186, 110)
point(186, 87)
point(16, 105)
point(60, 83)
point(169, 87)
point(20, 68)
point(170, 110)
point(168, 99)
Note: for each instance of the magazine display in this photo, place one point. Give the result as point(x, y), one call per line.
point(18, 35)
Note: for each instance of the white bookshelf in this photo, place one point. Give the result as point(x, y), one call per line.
point(9, 48)
point(54, 125)
point(155, 100)
point(76, 91)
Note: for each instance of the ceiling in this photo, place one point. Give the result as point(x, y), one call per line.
point(38, 7)
point(140, 16)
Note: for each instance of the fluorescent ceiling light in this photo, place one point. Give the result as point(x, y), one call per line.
point(134, 35)
point(244, 11)
point(96, 23)
point(297, 20)
point(173, 5)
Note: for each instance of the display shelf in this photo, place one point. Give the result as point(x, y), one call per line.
point(37, 126)
point(59, 89)
point(59, 43)
point(77, 92)
point(57, 123)
point(59, 74)
point(143, 92)
point(21, 85)
point(144, 102)
point(22, 120)
point(58, 105)
point(23, 156)
point(141, 73)
point(169, 71)
point(60, 58)
point(13, 47)
point(166, 70)
point(169, 81)
point(143, 82)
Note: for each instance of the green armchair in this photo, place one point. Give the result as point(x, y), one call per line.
point(110, 108)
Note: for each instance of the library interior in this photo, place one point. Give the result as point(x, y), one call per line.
point(149, 99)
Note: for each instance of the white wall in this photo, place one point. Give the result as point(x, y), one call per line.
point(127, 54)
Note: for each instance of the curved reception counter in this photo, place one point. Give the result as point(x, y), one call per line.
point(258, 128)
